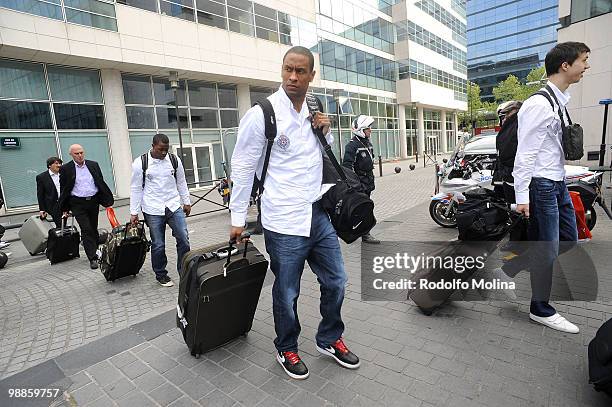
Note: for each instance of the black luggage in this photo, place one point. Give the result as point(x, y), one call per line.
point(63, 243)
point(124, 251)
point(218, 294)
point(600, 359)
point(429, 299)
point(482, 216)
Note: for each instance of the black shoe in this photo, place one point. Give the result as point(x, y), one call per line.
point(165, 281)
point(292, 365)
point(341, 354)
point(93, 264)
point(369, 239)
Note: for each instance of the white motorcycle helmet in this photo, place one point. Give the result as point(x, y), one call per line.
point(361, 123)
point(506, 107)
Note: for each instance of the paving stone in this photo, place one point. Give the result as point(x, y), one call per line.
point(165, 394)
point(103, 373)
point(281, 389)
point(255, 375)
point(248, 395)
point(123, 359)
point(183, 402)
point(339, 396)
point(234, 364)
point(196, 388)
point(135, 369)
point(227, 381)
point(217, 399)
point(103, 401)
point(368, 388)
point(87, 394)
point(178, 375)
point(305, 399)
point(158, 360)
point(135, 399)
point(119, 388)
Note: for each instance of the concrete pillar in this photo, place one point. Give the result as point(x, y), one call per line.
point(117, 128)
point(244, 99)
point(420, 131)
point(401, 117)
point(455, 126)
point(443, 141)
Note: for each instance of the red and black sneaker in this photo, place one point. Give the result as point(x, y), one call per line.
point(292, 364)
point(341, 353)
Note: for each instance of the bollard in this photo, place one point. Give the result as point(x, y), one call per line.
point(416, 155)
point(380, 165)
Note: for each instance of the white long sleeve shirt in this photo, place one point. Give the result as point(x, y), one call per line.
point(161, 189)
point(540, 149)
point(294, 176)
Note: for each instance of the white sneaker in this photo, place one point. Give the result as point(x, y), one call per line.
point(556, 322)
point(4, 244)
point(499, 274)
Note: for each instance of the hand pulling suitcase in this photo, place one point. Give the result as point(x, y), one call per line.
point(63, 243)
point(600, 359)
point(218, 295)
point(124, 251)
point(34, 234)
point(429, 299)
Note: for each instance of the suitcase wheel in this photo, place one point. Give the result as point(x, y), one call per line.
point(197, 356)
point(427, 311)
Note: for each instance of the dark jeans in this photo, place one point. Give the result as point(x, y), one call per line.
point(552, 219)
point(85, 211)
point(157, 230)
point(287, 256)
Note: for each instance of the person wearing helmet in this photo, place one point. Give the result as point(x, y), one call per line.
point(359, 157)
point(505, 143)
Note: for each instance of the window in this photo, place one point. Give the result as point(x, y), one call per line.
point(44, 8)
point(178, 8)
point(24, 115)
point(74, 85)
point(150, 5)
point(137, 89)
point(73, 116)
point(94, 13)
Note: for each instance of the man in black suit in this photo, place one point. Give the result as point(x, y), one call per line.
point(82, 191)
point(48, 191)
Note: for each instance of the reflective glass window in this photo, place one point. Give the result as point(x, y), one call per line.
point(204, 118)
point(202, 94)
point(150, 5)
point(177, 10)
point(166, 117)
point(164, 94)
point(41, 8)
point(22, 80)
point(24, 115)
point(73, 116)
point(140, 117)
point(229, 118)
point(137, 90)
point(227, 96)
point(212, 20)
point(74, 85)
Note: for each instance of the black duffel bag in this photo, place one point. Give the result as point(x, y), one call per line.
point(482, 216)
point(600, 359)
point(350, 210)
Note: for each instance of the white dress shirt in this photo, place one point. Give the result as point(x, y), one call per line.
point(55, 179)
point(540, 150)
point(84, 184)
point(295, 171)
point(161, 189)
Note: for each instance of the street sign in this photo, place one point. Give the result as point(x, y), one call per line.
point(9, 142)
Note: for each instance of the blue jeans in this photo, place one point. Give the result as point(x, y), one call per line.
point(287, 256)
point(552, 219)
point(157, 230)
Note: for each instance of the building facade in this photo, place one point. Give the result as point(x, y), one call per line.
point(590, 21)
point(508, 37)
point(95, 72)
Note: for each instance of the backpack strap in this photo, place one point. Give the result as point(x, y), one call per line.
point(270, 133)
point(144, 160)
point(552, 93)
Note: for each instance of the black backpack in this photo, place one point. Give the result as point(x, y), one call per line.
point(600, 359)
point(144, 160)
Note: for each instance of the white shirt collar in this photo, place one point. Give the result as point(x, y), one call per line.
point(289, 104)
point(562, 97)
point(53, 174)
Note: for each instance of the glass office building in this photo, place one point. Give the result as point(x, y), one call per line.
point(95, 72)
point(508, 37)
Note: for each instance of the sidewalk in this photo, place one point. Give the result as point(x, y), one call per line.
point(116, 344)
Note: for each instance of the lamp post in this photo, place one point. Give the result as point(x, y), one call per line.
point(174, 84)
point(336, 93)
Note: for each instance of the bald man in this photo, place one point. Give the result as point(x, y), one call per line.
point(82, 191)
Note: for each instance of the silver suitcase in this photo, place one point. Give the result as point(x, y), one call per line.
point(34, 234)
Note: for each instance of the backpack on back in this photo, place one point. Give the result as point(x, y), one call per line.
point(144, 160)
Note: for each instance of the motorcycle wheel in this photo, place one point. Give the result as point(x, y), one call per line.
point(437, 211)
point(591, 218)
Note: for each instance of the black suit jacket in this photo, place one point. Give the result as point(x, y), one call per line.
point(46, 193)
point(68, 177)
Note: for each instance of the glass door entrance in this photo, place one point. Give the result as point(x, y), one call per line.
point(197, 160)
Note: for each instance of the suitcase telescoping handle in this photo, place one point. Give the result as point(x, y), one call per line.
point(245, 238)
point(65, 223)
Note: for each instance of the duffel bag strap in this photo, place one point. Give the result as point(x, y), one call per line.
point(315, 106)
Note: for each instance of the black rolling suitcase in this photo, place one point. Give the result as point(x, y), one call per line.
point(218, 293)
point(481, 236)
point(63, 243)
point(124, 251)
point(600, 359)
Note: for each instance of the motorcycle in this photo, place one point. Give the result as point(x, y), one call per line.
point(461, 175)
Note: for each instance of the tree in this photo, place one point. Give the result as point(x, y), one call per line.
point(477, 109)
point(513, 89)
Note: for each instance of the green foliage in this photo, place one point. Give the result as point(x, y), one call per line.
point(513, 89)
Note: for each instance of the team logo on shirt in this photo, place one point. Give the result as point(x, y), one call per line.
point(283, 142)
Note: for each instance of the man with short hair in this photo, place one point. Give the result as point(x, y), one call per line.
point(82, 191)
point(296, 228)
point(159, 189)
point(539, 175)
point(48, 191)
